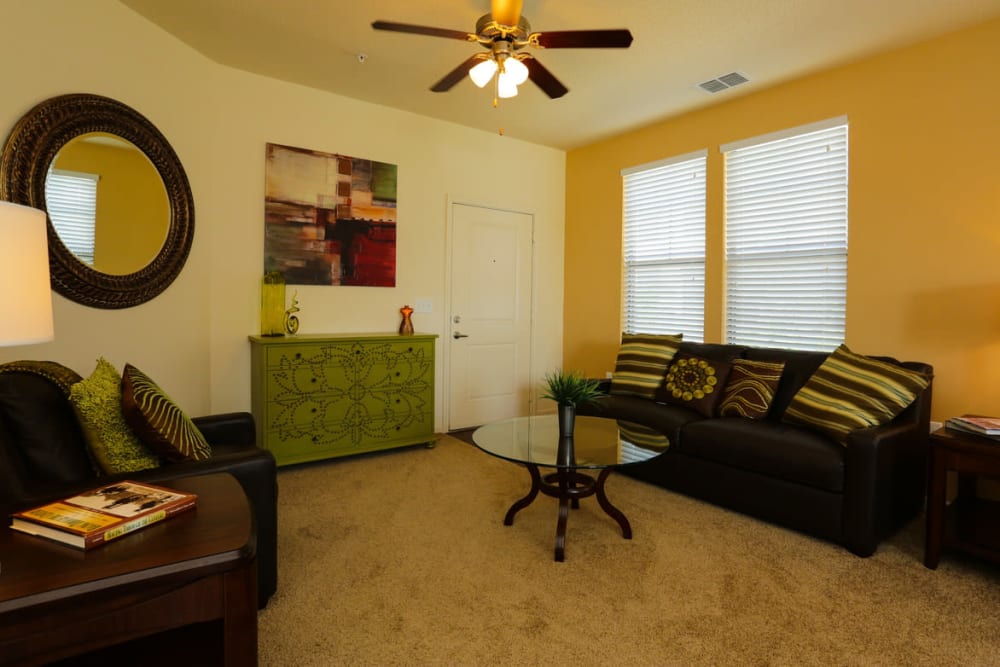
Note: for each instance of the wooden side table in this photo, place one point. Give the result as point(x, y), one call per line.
point(969, 523)
point(57, 602)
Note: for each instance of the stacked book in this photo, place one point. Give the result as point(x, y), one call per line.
point(988, 427)
point(98, 516)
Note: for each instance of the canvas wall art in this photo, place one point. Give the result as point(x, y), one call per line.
point(329, 219)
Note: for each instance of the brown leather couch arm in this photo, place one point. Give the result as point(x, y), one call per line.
point(230, 428)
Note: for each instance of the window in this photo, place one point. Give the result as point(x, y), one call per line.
point(71, 200)
point(664, 247)
point(786, 238)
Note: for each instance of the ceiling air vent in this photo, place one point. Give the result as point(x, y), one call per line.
point(723, 82)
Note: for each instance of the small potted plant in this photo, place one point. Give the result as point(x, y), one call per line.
point(568, 390)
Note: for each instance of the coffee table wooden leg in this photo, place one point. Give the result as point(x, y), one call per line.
point(240, 616)
point(610, 509)
point(536, 483)
point(560, 551)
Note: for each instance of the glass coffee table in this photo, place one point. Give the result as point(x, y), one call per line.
point(597, 444)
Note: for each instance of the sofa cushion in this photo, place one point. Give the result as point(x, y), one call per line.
point(97, 402)
point(799, 367)
point(641, 364)
point(159, 423)
point(696, 382)
point(750, 389)
point(774, 449)
point(850, 391)
point(45, 439)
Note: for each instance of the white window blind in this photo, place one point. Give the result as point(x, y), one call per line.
point(786, 238)
point(71, 200)
point(664, 247)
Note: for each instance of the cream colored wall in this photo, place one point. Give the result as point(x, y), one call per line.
point(192, 338)
point(924, 237)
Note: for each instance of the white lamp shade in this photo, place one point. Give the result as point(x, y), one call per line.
point(516, 70)
point(506, 86)
point(25, 292)
point(483, 72)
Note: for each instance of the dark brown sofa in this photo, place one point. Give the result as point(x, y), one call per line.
point(43, 456)
point(855, 495)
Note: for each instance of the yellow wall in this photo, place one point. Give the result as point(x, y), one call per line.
point(132, 208)
point(192, 338)
point(924, 211)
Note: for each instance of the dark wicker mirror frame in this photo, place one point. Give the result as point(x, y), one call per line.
point(24, 165)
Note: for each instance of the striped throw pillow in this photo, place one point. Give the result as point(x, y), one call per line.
point(751, 388)
point(642, 363)
point(850, 391)
point(157, 420)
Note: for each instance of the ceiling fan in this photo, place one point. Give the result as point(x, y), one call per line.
point(504, 32)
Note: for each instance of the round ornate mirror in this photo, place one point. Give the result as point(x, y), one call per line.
point(141, 247)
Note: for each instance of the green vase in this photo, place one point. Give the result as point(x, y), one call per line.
point(272, 305)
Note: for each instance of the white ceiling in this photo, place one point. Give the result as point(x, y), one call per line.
point(678, 44)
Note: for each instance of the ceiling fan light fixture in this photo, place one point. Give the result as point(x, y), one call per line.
point(516, 70)
point(482, 73)
point(506, 87)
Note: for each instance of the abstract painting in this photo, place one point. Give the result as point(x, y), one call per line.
point(329, 219)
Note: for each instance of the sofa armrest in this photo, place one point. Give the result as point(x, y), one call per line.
point(231, 428)
point(884, 481)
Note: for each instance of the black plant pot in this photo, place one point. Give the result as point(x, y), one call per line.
point(567, 418)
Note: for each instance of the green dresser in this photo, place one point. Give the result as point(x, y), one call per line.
point(318, 396)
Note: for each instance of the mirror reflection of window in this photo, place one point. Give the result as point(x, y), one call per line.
point(71, 199)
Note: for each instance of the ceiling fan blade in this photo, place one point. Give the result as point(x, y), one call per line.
point(544, 79)
point(457, 74)
point(423, 30)
point(583, 39)
point(506, 12)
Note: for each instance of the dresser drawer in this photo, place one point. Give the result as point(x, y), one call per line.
point(283, 356)
point(342, 439)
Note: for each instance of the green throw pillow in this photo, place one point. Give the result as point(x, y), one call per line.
point(696, 383)
point(850, 391)
point(158, 422)
point(642, 362)
point(751, 388)
point(97, 401)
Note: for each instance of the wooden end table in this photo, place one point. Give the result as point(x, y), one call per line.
point(969, 523)
point(58, 602)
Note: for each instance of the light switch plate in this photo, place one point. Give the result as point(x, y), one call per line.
point(423, 306)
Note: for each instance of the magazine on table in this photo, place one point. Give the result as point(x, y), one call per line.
point(96, 517)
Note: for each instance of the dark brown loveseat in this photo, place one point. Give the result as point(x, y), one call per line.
point(855, 494)
point(43, 455)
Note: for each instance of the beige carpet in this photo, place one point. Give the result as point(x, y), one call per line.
point(401, 558)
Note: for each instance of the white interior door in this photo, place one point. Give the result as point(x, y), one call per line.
point(489, 342)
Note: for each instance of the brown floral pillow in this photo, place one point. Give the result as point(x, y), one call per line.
point(751, 388)
point(696, 383)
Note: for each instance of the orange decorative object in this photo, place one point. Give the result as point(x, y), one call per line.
point(406, 326)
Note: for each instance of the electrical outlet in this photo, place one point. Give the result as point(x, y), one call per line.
point(423, 306)
point(607, 375)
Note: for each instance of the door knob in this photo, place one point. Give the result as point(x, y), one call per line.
point(458, 335)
